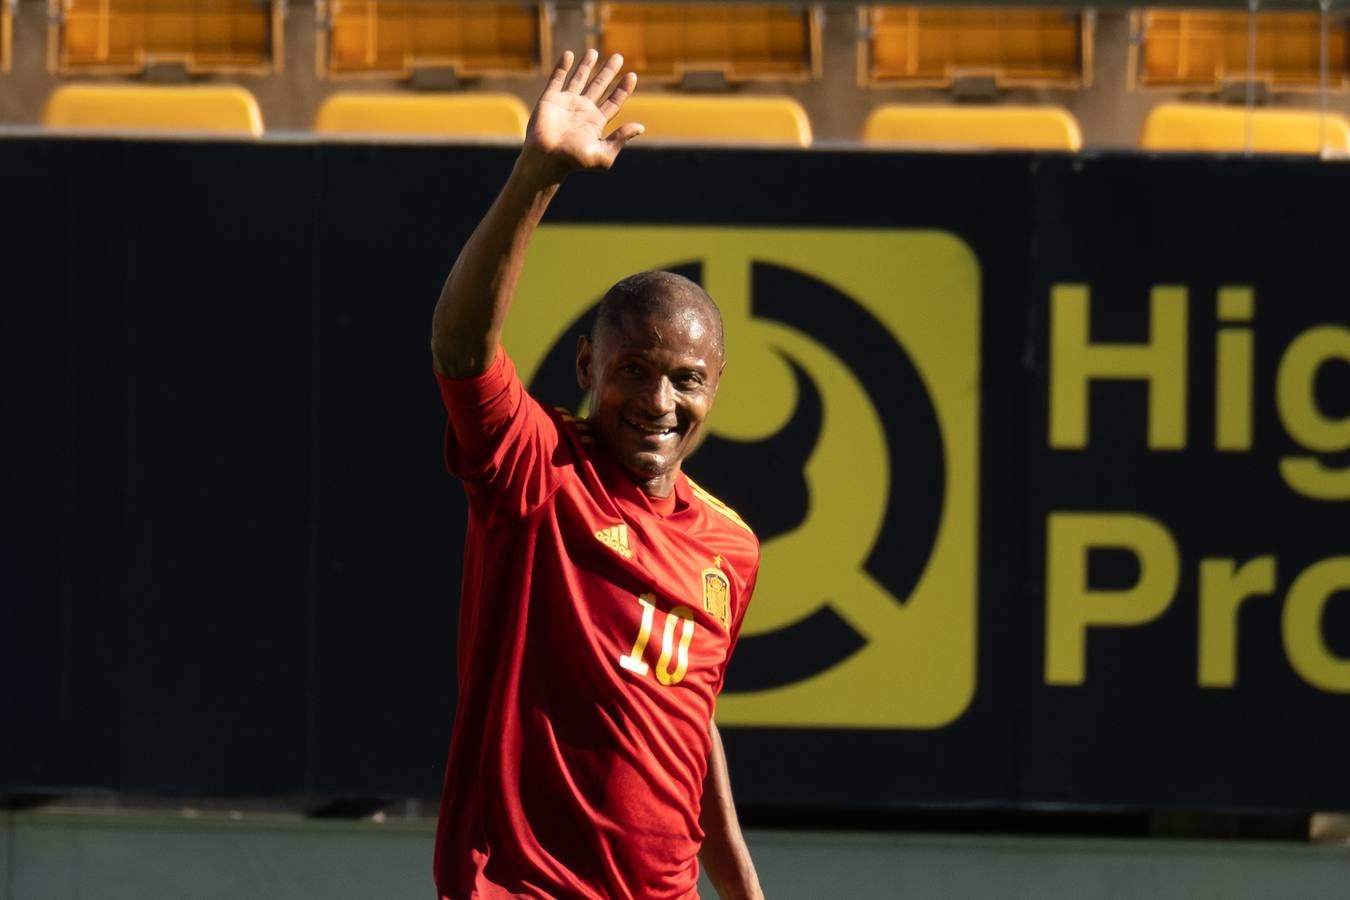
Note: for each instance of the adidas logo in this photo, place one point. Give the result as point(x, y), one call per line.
point(615, 538)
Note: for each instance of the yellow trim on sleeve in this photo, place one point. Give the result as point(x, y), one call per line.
point(716, 504)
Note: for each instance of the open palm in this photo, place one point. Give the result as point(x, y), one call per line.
point(569, 120)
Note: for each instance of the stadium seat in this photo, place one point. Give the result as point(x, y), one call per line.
point(218, 109)
point(778, 121)
point(398, 37)
point(201, 36)
point(666, 42)
point(998, 127)
point(6, 33)
point(1208, 49)
point(1209, 128)
point(442, 115)
point(935, 46)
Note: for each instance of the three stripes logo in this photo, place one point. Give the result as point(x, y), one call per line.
point(615, 538)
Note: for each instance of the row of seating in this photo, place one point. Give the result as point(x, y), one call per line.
point(768, 120)
point(1209, 49)
point(676, 42)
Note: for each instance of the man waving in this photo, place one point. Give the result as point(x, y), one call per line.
point(603, 590)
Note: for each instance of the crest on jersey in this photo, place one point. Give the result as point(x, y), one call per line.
point(716, 589)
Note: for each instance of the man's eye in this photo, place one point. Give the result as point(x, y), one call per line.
point(689, 382)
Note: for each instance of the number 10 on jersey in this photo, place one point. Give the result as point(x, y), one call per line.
point(633, 662)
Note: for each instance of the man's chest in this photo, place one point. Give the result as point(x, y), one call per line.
point(648, 601)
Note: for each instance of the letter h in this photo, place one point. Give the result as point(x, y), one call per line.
point(1075, 361)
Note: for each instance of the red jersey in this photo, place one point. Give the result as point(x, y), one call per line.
point(594, 632)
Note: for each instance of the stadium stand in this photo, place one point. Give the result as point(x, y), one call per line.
point(477, 115)
point(130, 36)
point(1209, 49)
point(936, 46)
point(400, 37)
point(779, 121)
point(670, 42)
point(996, 127)
point(1210, 128)
point(839, 62)
point(216, 109)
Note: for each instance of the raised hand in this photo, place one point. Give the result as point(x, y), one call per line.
point(568, 123)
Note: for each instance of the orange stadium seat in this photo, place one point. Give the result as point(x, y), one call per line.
point(203, 36)
point(431, 115)
point(935, 45)
point(1208, 49)
point(742, 42)
point(6, 33)
point(997, 127)
point(679, 118)
point(215, 109)
point(1200, 127)
point(398, 37)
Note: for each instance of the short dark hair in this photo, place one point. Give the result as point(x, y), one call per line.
point(657, 293)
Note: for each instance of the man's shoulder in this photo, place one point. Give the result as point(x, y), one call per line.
point(571, 427)
point(720, 511)
point(566, 417)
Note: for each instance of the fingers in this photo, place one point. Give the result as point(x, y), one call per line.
point(623, 134)
point(555, 81)
point(582, 72)
point(596, 89)
point(616, 142)
point(614, 102)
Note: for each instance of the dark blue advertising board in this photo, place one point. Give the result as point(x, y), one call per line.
point(1047, 455)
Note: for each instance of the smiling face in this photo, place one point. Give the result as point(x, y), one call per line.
point(651, 369)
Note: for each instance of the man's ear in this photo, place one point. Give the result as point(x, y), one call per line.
point(584, 362)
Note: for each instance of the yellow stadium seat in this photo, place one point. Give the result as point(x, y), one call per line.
point(217, 109)
point(127, 36)
point(664, 42)
point(1208, 49)
point(1200, 127)
point(442, 115)
point(935, 45)
point(999, 127)
point(398, 37)
point(778, 121)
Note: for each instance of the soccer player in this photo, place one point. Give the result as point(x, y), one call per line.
point(603, 590)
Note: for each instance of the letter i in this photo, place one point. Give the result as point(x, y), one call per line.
point(1233, 371)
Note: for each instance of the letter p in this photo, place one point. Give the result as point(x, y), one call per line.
point(1071, 607)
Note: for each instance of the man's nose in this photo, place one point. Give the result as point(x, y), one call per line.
point(658, 396)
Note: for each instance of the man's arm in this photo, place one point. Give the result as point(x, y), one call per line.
point(564, 134)
point(725, 856)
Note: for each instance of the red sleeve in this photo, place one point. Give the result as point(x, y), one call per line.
point(498, 439)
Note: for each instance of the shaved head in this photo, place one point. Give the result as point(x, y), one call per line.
point(650, 368)
point(658, 297)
